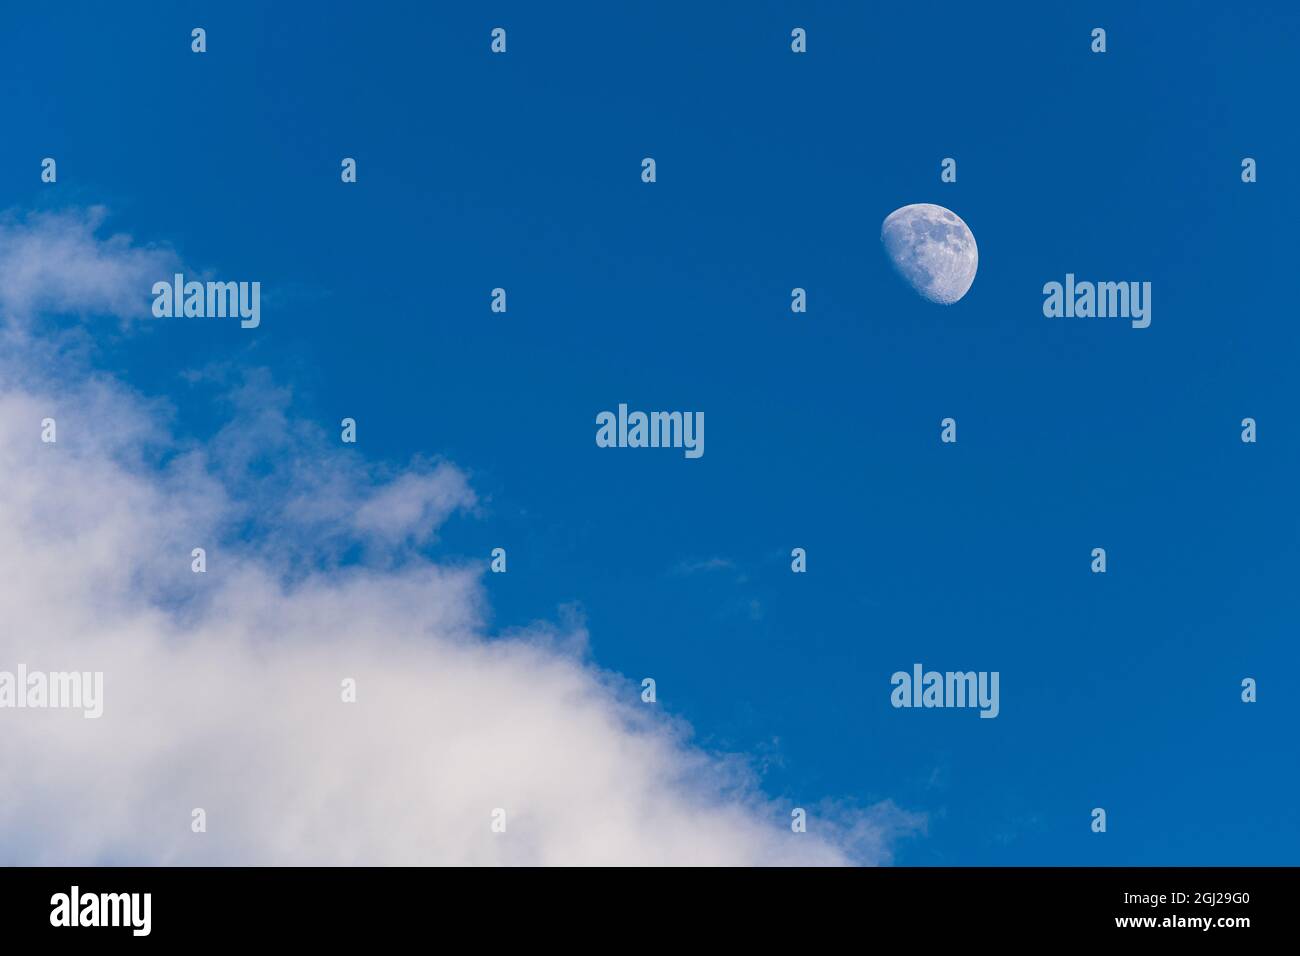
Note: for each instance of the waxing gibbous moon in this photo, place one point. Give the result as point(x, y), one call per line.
point(932, 249)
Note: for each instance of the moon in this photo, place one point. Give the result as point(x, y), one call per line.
point(933, 249)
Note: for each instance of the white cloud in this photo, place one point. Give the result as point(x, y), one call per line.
point(55, 262)
point(700, 565)
point(222, 690)
point(412, 505)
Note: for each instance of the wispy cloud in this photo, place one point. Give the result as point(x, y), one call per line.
point(55, 262)
point(703, 565)
point(745, 605)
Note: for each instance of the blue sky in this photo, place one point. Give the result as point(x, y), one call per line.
point(774, 171)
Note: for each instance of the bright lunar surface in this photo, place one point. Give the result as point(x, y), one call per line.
point(932, 249)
